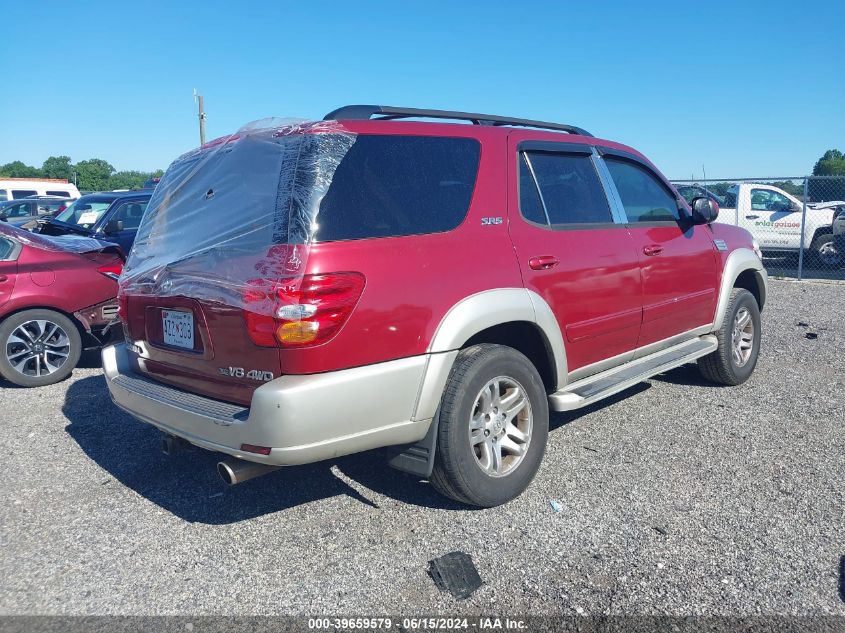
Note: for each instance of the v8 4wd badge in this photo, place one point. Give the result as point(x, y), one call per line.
point(240, 372)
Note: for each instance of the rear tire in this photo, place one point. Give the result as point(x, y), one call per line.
point(739, 342)
point(38, 348)
point(493, 423)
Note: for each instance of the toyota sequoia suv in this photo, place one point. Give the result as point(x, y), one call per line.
point(300, 291)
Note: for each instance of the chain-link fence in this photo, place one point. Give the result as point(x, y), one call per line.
point(799, 222)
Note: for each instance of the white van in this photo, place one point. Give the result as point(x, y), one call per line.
point(15, 188)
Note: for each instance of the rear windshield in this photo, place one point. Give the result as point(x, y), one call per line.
point(314, 188)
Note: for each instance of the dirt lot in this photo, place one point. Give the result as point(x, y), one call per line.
point(677, 497)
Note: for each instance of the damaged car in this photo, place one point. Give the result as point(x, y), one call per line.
point(57, 298)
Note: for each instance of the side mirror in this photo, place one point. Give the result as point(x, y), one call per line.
point(704, 210)
point(113, 226)
point(794, 207)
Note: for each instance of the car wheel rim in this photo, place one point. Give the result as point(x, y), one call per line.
point(500, 426)
point(38, 348)
point(829, 255)
point(743, 337)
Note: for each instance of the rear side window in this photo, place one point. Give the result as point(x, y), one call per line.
point(730, 200)
point(60, 194)
point(399, 185)
point(23, 193)
point(644, 197)
point(6, 247)
point(570, 188)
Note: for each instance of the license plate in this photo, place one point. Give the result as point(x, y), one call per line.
point(178, 327)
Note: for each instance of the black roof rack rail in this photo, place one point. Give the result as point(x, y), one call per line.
point(390, 112)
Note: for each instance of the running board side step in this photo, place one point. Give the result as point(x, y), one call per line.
point(588, 390)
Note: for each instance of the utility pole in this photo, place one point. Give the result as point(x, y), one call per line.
point(200, 115)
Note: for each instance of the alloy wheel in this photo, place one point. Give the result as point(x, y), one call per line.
point(742, 337)
point(500, 426)
point(37, 348)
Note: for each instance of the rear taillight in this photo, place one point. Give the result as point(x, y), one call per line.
point(111, 270)
point(306, 313)
point(122, 306)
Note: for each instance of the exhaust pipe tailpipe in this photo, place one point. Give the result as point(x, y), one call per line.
point(235, 471)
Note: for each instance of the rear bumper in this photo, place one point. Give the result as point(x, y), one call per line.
point(301, 418)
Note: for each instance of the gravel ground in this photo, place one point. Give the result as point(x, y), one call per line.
point(677, 498)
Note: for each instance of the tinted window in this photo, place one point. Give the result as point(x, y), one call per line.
point(19, 210)
point(61, 194)
point(3, 195)
point(767, 200)
point(644, 197)
point(6, 247)
point(399, 185)
point(130, 213)
point(23, 193)
point(730, 199)
point(570, 188)
point(529, 198)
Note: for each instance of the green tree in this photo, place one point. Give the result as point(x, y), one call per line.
point(93, 174)
point(832, 163)
point(17, 169)
point(790, 187)
point(57, 167)
point(129, 179)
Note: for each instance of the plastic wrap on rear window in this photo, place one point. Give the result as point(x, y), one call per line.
point(232, 221)
point(66, 243)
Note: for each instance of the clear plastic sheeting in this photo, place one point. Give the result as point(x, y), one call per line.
point(66, 243)
point(232, 221)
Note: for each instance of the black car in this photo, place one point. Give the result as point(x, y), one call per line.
point(108, 214)
point(25, 211)
point(689, 192)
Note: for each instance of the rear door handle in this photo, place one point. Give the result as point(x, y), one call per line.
point(751, 217)
point(3, 278)
point(652, 249)
point(544, 262)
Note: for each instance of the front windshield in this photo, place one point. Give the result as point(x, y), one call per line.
point(84, 212)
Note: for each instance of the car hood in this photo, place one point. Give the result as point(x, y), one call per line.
point(827, 205)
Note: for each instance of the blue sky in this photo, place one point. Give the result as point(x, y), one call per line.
point(744, 88)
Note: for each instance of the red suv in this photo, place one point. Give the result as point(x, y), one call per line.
point(306, 291)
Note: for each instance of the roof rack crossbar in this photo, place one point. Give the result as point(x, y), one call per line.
point(363, 112)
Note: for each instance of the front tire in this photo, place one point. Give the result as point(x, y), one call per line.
point(825, 252)
point(739, 342)
point(493, 424)
point(38, 348)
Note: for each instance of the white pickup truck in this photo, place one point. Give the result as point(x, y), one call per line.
point(773, 217)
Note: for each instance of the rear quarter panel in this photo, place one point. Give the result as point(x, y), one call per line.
point(60, 280)
point(413, 281)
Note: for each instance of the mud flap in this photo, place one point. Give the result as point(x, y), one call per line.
point(418, 459)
